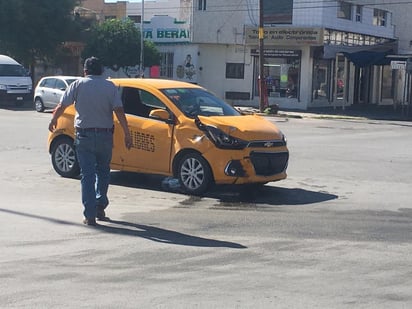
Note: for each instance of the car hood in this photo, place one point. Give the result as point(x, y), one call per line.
point(247, 127)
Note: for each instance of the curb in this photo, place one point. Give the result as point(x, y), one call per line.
point(296, 115)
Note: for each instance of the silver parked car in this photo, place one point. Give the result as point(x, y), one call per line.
point(49, 90)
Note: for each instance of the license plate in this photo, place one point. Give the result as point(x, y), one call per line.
point(19, 98)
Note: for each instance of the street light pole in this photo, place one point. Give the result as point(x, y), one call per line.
point(142, 42)
point(262, 87)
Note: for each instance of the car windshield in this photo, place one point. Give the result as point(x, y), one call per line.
point(199, 102)
point(12, 70)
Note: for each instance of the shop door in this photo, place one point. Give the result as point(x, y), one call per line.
point(321, 78)
point(362, 85)
point(388, 82)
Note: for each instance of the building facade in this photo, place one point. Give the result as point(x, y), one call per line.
point(323, 53)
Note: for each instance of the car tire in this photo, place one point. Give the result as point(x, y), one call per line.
point(64, 159)
point(194, 174)
point(38, 105)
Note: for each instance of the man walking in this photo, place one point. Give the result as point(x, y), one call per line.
point(95, 99)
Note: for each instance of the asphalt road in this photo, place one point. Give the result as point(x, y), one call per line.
point(335, 234)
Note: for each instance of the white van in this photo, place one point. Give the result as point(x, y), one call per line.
point(16, 85)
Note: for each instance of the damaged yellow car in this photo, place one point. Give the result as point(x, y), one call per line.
point(184, 131)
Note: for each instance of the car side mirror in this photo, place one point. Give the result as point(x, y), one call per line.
point(160, 114)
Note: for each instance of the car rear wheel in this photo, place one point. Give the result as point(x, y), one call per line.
point(194, 174)
point(38, 105)
point(64, 158)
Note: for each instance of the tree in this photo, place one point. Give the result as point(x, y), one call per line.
point(117, 43)
point(34, 29)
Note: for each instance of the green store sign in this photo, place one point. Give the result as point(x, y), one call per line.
point(169, 35)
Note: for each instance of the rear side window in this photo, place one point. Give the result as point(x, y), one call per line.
point(48, 83)
point(139, 102)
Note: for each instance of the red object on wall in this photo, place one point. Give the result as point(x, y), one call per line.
point(155, 71)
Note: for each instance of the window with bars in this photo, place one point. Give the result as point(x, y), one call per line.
point(166, 65)
point(235, 70)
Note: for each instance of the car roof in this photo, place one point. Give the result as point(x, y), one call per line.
point(62, 77)
point(153, 82)
point(7, 60)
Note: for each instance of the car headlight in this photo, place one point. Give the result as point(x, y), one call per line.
point(223, 140)
point(3, 87)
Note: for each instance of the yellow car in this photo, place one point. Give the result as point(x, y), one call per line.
point(184, 131)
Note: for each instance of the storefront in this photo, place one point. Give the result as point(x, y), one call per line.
point(287, 64)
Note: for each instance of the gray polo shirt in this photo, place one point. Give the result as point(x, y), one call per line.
point(94, 99)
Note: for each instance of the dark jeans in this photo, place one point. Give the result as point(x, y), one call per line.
point(94, 152)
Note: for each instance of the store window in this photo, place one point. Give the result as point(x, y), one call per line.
point(281, 73)
point(341, 80)
point(321, 77)
point(388, 80)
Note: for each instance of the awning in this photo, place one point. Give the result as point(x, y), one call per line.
point(367, 58)
point(362, 56)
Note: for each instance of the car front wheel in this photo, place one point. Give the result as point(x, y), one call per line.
point(38, 105)
point(194, 174)
point(64, 158)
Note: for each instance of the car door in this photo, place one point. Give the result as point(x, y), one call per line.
point(47, 91)
point(59, 88)
point(151, 138)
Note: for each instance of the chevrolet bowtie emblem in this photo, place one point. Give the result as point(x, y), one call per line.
point(268, 144)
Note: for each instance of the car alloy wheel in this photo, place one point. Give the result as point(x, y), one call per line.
point(64, 158)
point(38, 105)
point(194, 174)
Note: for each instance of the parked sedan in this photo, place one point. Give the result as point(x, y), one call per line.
point(184, 131)
point(49, 90)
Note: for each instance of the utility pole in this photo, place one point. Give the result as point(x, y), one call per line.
point(262, 81)
point(142, 42)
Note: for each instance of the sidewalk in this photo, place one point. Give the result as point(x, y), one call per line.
point(353, 112)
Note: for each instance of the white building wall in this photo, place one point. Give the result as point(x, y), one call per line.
point(221, 23)
point(401, 14)
point(154, 7)
point(324, 14)
point(212, 68)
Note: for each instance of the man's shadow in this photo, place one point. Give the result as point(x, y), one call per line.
point(162, 235)
point(138, 230)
